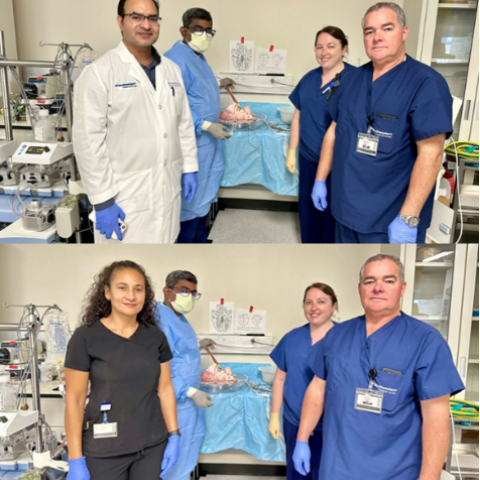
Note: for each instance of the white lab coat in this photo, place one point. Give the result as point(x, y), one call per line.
point(133, 143)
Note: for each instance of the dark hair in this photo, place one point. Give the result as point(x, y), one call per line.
point(193, 13)
point(399, 12)
point(97, 306)
point(174, 277)
point(379, 258)
point(335, 32)
point(121, 7)
point(326, 289)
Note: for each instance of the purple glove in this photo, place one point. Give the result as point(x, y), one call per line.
point(319, 195)
point(400, 232)
point(190, 185)
point(170, 456)
point(107, 221)
point(301, 457)
point(77, 469)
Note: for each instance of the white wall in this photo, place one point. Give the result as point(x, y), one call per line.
point(7, 25)
point(270, 277)
point(283, 23)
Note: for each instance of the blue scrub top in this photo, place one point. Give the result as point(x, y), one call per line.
point(313, 105)
point(368, 192)
point(292, 355)
point(151, 69)
point(386, 446)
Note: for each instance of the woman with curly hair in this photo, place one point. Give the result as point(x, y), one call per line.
point(128, 430)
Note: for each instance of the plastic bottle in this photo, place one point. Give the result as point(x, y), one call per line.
point(44, 130)
point(8, 394)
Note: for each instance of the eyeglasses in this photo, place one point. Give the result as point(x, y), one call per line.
point(185, 292)
point(139, 18)
point(198, 31)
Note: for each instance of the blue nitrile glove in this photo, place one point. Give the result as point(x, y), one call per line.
point(77, 469)
point(107, 221)
point(170, 456)
point(400, 232)
point(319, 195)
point(301, 457)
point(190, 185)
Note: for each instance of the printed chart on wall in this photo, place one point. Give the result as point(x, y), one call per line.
point(253, 322)
point(270, 61)
point(241, 56)
point(221, 318)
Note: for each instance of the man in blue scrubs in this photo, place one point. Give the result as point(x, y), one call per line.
point(204, 99)
point(383, 383)
point(385, 145)
point(180, 296)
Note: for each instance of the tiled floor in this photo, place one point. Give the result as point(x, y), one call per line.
point(255, 226)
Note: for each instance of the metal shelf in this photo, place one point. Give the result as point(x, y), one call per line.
point(449, 61)
point(432, 318)
point(457, 6)
point(434, 265)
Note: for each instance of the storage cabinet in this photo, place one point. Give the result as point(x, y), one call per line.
point(435, 276)
point(444, 35)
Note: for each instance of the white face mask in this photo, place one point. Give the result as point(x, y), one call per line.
point(183, 304)
point(200, 43)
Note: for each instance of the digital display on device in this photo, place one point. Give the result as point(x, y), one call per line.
point(35, 150)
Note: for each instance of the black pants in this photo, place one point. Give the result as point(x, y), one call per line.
point(144, 465)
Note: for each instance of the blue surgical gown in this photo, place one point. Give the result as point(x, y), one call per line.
point(291, 355)
point(315, 117)
point(204, 99)
point(409, 103)
point(186, 369)
point(386, 446)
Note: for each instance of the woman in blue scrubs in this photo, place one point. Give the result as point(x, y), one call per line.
point(293, 376)
point(310, 122)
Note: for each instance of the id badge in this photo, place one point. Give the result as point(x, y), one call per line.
point(369, 400)
point(367, 144)
point(105, 430)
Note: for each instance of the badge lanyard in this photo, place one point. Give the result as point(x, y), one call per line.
point(368, 399)
point(105, 429)
point(367, 143)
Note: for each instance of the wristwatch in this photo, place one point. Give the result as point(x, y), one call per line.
point(175, 432)
point(410, 220)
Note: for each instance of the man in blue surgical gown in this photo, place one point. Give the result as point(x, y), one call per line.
point(180, 294)
point(204, 99)
point(385, 145)
point(383, 382)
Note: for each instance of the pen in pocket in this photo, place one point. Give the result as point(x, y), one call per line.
point(386, 117)
point(392, 372)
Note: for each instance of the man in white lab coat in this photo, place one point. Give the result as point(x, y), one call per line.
point(133, 134)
